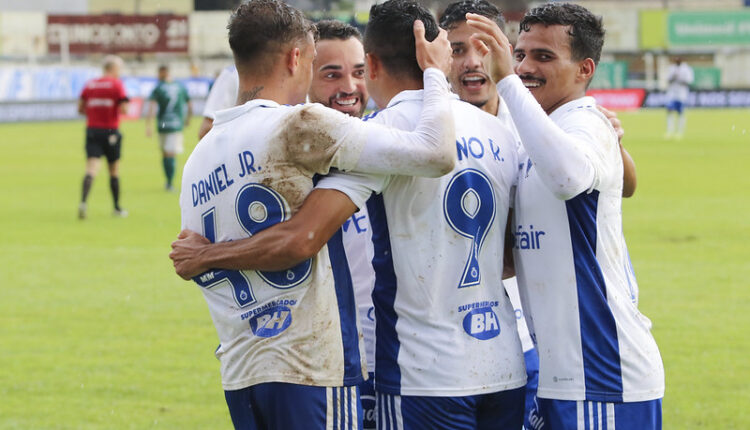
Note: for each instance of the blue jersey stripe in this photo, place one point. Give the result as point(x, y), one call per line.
point(599, 344)
point(387, 371)
point(347, 310)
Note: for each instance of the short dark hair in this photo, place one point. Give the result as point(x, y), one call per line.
point(456, 12)
point(390, 35)
point(586, 31)
point(163, 67)
point(334, 29)
point(258, 28)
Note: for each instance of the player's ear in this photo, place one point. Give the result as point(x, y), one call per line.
point(293, 57)
point(586, 69)
point(372, 66)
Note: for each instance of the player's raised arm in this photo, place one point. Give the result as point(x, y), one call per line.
point(566, 161)
point(428, 150)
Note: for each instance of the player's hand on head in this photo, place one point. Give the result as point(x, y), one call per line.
point(186, 252)
point(612, 117)
point(437, 54)
point(491, 42)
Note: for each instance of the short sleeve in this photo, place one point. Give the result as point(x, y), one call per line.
point(357, 186)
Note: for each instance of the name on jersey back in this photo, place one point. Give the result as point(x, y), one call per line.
point(219, 179)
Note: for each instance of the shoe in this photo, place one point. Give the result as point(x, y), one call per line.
point(120, 213)
point(82, 210)
point(169, 188)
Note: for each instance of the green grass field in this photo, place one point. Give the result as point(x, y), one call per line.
point(96, 332)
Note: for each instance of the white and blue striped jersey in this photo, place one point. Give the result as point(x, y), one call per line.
point(296, 326)
point(592, 341)
point(357, 236)
point(253, 170)
point(444, 325)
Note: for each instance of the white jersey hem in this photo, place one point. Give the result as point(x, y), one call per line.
point(452, 392)
point(640, 396)
point(285, 379)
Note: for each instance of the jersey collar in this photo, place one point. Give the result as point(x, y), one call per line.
point(585, 102)
point(410, 95)
point(226, 115)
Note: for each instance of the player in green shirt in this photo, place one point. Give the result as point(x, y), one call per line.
point(171, 104)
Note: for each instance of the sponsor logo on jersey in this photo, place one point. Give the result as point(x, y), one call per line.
point(359, 223)
point(527, 237)
point(481, 321)
point(271, 322)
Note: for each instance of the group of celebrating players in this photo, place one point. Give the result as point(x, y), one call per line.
point(352, 262)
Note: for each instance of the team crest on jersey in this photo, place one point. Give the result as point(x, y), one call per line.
point(481, 321)
point(271, 322)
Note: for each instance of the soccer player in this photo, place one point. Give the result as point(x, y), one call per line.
point(289, 338)
point(339, 83)
point(171, 100)
point(679, 78)
point(447, 353)
point(223, 95)
point(102, 101)
point(599, 366)
point(472, 83)
point(339, 68)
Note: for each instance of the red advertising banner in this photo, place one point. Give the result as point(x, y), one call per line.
point(87, 34)
point(623, 99)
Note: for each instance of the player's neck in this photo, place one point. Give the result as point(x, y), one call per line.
point(392, 86)
point(261, 89)
point(492, 106)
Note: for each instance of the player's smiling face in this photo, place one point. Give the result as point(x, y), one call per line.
point(339, 76)
point(544, 64)
point(468, 77)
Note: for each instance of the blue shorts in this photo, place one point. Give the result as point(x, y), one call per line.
point(587, 415)
point(532, 380)
point(277, 405)
point(367, 394)
point(496, 411)
point(675, 105)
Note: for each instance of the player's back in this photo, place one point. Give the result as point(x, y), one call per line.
point(444, 326)
point(299, 325)
point(102, 97)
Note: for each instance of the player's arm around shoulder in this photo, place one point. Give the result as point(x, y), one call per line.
point(429, 149)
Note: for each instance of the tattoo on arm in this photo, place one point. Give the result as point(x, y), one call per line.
point(249, 95)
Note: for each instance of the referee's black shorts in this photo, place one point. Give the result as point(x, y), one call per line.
point(103, 141)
